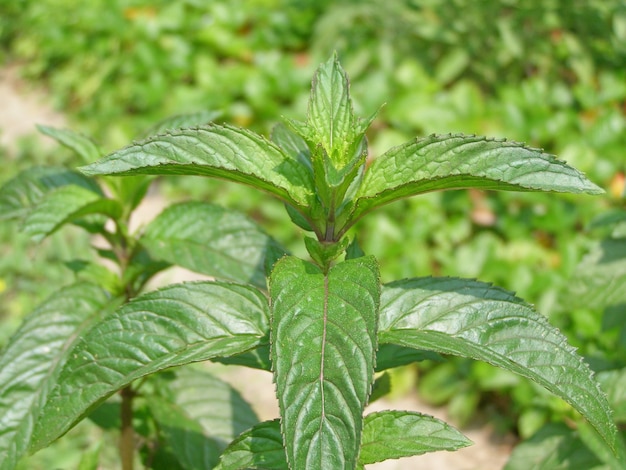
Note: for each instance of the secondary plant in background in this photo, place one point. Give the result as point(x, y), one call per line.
point(326, 324)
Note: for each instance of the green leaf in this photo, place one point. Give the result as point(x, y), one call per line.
point(440, 162)
point(208, 239)
point(292, 144)
point(476, 320)
point(181, 121)
point(218, 151)
point(64, 205)
point(26, 189)
point(261, 447)
point(614, 383)
point(389, 356)
point(397, 434)
point(323, 344)
point(173, 326)
point(83, 146)
point(555, 446)
point(31, 363)
point(600, 279)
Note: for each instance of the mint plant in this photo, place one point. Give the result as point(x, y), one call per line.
point(324, 325)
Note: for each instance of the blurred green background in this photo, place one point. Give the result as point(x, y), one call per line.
point(550, 73)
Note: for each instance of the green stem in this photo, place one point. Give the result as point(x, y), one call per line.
point(127, 437)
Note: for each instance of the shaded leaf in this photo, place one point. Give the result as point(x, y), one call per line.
point(261, 447)
point(389, 356)
point(173, 326)
point(180, 121)
point(81, 145)
point(208, 239)
point(323, 343)
point(476, 320)
point(614, 384)
point(456, 161)
point(64, 205)
point(32, 361)
point(397, 434)
point(218, 151)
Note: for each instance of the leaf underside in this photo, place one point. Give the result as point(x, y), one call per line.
point(32, 361)
point(323, 343)
point(173, 326)
point(476, 320)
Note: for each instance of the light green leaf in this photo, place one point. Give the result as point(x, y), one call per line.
point(64, 205)
point(292, 144)
point(30, 364)
point(476, 320)
point(173, 326)
point(614, 384)
point(211, 240)
point(83, 146)
point(261, 447)
point(218, 151)
point(26, 189)
point(397, 434)
point(323, 344)
point(600, 279)
point(456, 161)
point(181, 121)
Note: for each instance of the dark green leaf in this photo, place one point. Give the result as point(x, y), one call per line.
point(257, 358)
point(381, 387)
point(32, 361)
point(392, 355)
point(211, 240)
point(439, 162)
point(292, 144)
point(323, 339)
point(23, 191)
point(218, 151)
point(65, 204)
point(173, 326)
point(397, 434)
point(83, 146)
point(261, 447)
point(476, 320)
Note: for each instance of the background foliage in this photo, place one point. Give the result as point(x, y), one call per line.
point(548, 73)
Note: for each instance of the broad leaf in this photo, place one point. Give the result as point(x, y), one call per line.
point(23, 191)
point(173, 326)
point(397, 434)
point(439, 162)
point(64, 205)
point(211, 240)
point(261, 447)
point(31, 363)
point(323, 343)
point(180, 121)
point(83, 146)
point(292, 144)
point(218, 151)
point(476, 320)
point(600, 280)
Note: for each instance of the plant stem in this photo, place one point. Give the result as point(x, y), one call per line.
point(127, 437)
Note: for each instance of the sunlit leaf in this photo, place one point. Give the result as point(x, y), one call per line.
point(323, 343)
point(32, 361)
point(83, 146)
point(476, 320)
point(173, 326)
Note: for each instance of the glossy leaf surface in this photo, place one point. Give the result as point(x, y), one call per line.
point(32, 361)
point(323, 343)
point(218, 151)
point(476, 320)
point(211, 240)
point(397, 434)
point(173, 326)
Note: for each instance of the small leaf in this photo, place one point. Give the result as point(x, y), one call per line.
point(181, 121)
point(218, 151)
point(381, 387)
point(83, 146)
point(211, 240)
point(173, 326)
point(440, 162)
point(261, 447)
point(31, 363)
point(476, 320)
point(26, 189)
point(397, 434)
point(64, 205)
point(323, 339)
point(389, 356)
